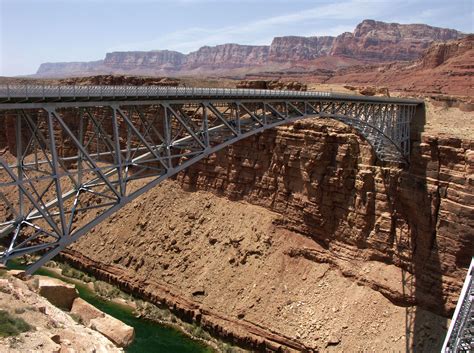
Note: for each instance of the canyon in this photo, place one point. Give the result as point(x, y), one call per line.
point(298, 239)
point(323, 227)
point(323, 230)
point(371, 42)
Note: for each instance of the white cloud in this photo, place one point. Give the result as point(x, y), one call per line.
point(253, 32)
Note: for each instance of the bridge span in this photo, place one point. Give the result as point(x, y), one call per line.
point(73, 153)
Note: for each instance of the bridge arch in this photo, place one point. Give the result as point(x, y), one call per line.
point(79, 151)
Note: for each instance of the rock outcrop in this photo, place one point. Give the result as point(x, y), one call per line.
point(52, 329)
point(440, 53)
point(59, 293)
point(156, 60)
point(115, 330)
point(371, 41)
point(294, 48)
point(444, 68)
point(226, 56)
point(419, 219)
point(380, 41)
point(72, 68)
point(85, 311)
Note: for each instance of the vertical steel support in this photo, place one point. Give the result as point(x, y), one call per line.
point(117, 153)
point(205, 126)
point(19, 160)
point(55, 171)
point(167, 131)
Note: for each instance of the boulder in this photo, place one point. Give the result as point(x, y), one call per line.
point(85, 311)
point(115, 330)
point(59, 293)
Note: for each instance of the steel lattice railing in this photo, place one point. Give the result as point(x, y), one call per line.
point(74, 152)
point(460, 336)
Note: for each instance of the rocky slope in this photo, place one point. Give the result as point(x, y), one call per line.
point(371, 41)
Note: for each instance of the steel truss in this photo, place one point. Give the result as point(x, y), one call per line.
point(75, 162)
point(460, 336)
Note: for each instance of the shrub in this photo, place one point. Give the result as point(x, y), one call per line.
point(106, 290)
point(11, 325)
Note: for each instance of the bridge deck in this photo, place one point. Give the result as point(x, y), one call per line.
point(27, 94)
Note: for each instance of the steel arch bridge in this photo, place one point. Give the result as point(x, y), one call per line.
point(73, 153)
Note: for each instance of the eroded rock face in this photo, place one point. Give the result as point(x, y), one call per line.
point(371, 41)
point(440, 53)
point(444, 68)
point(294, 48)
point(227, 56)
point(57, 292)
point(156, 59)
point(380, 41)
point(323, 182)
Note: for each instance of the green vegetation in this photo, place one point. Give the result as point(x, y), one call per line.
point(11, 325)
point(71, 272)
point(106, 290)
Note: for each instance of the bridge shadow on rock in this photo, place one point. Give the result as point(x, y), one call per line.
point(419, 204)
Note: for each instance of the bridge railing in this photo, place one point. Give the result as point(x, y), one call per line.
point(52, 91)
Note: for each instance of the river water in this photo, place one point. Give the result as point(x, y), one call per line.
point(149, 336)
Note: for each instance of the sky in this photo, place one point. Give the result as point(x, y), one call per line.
point(37, 31)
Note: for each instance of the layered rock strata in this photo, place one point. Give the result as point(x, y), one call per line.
point(371, 41)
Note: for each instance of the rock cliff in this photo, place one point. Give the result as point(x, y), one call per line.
point(380, 41)
point(445, 68)
point(156, 59)
point(293, 48)
point(371, 41)
point(227, 56)
point(323, 183)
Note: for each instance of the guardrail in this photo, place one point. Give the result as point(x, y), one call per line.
point(24, 91)
point(14, 92)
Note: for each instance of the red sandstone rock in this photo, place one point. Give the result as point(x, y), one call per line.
point(115, 330)
point(371, 41)
point(57, 292)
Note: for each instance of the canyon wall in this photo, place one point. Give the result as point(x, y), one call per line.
point(309, 203)
point(371, 41)
point(444, 68)
point(325, 186)
point(156, 59)
point(380, 41)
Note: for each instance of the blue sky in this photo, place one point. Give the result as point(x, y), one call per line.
point(37, 31)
